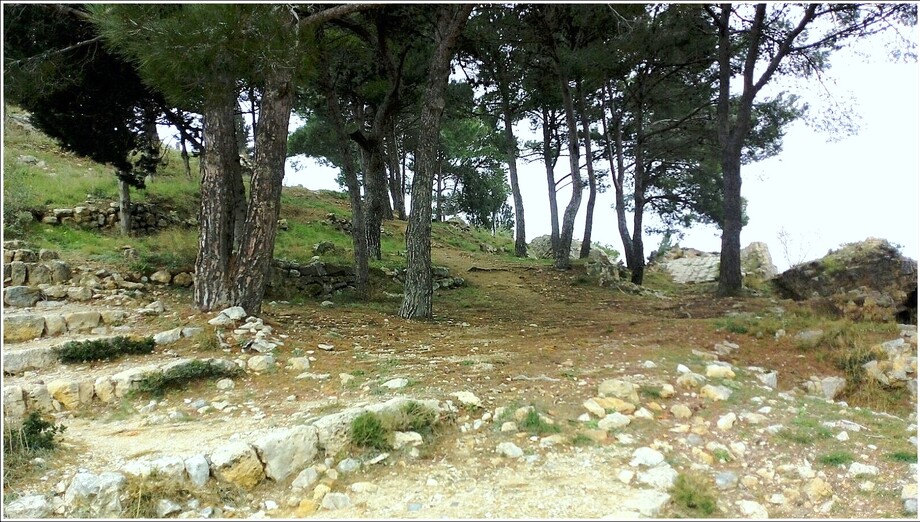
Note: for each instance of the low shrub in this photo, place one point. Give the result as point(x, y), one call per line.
point(535, 425)
point(367, 431)
point(103, 349)
point(693, 497)
point(158, 383)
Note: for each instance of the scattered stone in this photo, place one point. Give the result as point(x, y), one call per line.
point(613, 421)
point(510, 450)
point(716, 393)
point(168, 337)
point(619, 389)
point(395, 384)
point(467, 399)
point(348, 465)
point(726, 421)
point(305, 479)
point(325, 347)
point(198, 469)
point(768, 379)
point(18, 328)
point(334, 501)
point(97, 494)
point(661, 477)
point(299, 364)
point(691, 380)
point(718, 371)
point(30, 506)
point(237, 463)
point(260, 363)
point(225, 384)
point(285, 450)
point(161, 276)
point(681, 411)
point(646, 457)
point(751, 509)
point(858, 468)
point(166, 507)
point(726, 479)
point(509, 426)
point(21, 296)
point(406, 438)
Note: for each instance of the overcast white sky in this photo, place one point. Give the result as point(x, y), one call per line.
point(823, 194)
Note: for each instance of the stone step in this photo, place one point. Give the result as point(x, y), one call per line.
point(21, 326)
point(67, 391)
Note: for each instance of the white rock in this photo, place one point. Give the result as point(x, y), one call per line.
point(30, 506)
point(325, 347)
point(168, 337)
point(334, 501)
point(299, 364)
point(682, 369)
point(166, 507)
point(613, 421)
point(509, 426)
point(225, 384)
point(363, 487)
point(620, 389)
point(625, 475)
point(751, 509)
point(647, 502)
point(660, 477)
point(726, 421)
point(394, 384)
point(198, 469)
point(858, 468)
point(719, 371)
point(716, 393)
point(643, 413)
point(235, 313)
point(99, 494)
point(406, 438)
point(510, 450)
point(467, 398)
point(768, 379)
point(305, 479)
point(260, 363)
point(646, 457)
point(842, 436)
point(285, 450)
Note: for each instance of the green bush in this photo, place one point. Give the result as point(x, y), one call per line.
point(836, 458)
point(158, 383)
point(103, 349)
point(693, 496)
point(535, 425)
point(35, 433)
point(367, 431)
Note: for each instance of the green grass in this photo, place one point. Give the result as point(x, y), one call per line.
point(367, 431)
point(534, 424)
point(903, 456)
point(836, 458)
point(580, 439)
point(693, 496)
point(158, 383)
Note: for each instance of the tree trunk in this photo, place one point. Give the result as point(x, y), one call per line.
point(638, 249)
point(375, 195)
point(418, 288)
point(549, 164)
point(618, 175)
point(254, 261)
point(350, 172)
point(520, 236)
point(219, 165)
point(185, 159)
point(730, 280)
point(394, 181)
point(562, 261)
point(592, 180)
point(124, 207)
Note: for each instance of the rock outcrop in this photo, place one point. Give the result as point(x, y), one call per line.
point(867, 280)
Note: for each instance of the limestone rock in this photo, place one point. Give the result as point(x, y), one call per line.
point(161, 276)
point(647, 502)
point(726, 421)
point(751, 509)
point(681, 411)
point(716, 393)
point(406, 438)
point(29, 506)
point(620, 389)
point(858, 468)
point(14, 404)
point(55, 325)
point(237, 463)
point(467, 399)
point(79, 293)
point(510, 450)
point(613, 421)
point(719, 371)
point(756, 260)
point(816, 489)
point(769, 379)
point(21, 296)
point(168, 337)
point(260, 363)
point(646, 457)
point(18, 328)
point(334, 501)
point(394, 384)
point(77, 321)
point(198, 469)
point(60, 272)
point(691, 380)
point(95, 495)
point(660, 477)
point(28, 359)
point(305, 479)
point(66, 392)
point(285, 451)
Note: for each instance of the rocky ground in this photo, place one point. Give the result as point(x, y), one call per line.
point(640, 390)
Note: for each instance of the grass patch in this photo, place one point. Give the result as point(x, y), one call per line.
point(35, 437)
point(650, 392)
point(836, 458)
point(103, 349)
point(157, 384)
point(903, 456)
point(375, 430)
point(693, 496)
point(536, 425)
point(580, 439)
point(722, 455)
point(141, 494)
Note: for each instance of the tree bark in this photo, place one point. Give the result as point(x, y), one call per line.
point(638, 248)
point(219, 165)
point(549, 164)
point(618, 175)
point(124, 207)
point(254, 261)
point(185, 159)
point(562, 261)
point(592, 180)
point(418, 289)
point(511, 150)
point(394, 181)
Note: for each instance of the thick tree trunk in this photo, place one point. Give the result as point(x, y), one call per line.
point(375, 184)
point(562, 261)
point(124, 207)
point(638, 249)
point(418, 288)
point(730, 280)
point(520, 236)
point(549, 164)
point(254, 261)
point(592, 180)
point(219, 165)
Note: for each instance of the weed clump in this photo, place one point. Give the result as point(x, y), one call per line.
point(535, 424)
point(33, 437)
point(158, 383)
point(367, 431)
point(836, 458)
point(693, 497)
point(103, 349)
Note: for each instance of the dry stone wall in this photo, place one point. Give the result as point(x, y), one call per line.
point(146, 218)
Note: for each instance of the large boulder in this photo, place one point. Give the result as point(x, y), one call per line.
point(756, 261)
point(541, 247)
point(867, 280)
